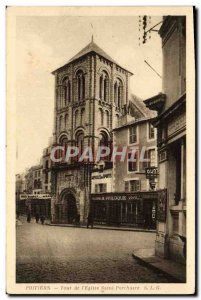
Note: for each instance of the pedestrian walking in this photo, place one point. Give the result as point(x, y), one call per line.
point(78, 220)
point(90, 220)
point(42, 219)
point(29, 217)
point(37, 217)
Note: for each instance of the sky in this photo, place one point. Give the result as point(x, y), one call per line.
point(44, 43)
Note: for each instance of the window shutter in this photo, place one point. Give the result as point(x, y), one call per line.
point(126, 186)
point(96, 188)
point(145, 163)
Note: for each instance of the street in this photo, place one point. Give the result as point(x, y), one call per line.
point(52, 254)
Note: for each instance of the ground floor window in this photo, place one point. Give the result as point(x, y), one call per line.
point(101, 188)
point(139, 213)
point(132, 185)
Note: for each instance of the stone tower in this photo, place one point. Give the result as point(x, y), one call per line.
point(91, 94)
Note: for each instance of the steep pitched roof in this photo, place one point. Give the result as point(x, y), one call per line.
point(91, 47)
point(136, 102)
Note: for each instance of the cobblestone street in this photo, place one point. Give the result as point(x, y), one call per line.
point(50, 254)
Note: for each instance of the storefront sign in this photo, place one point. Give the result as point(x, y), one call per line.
point(34, 196)
point(162, 205)
point(116, 197)
point(151, 172)
point(177, 124)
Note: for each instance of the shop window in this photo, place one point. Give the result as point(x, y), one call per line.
point(133, 134)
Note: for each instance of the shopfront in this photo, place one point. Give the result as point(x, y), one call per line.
point(125, 209)
point(35, 204)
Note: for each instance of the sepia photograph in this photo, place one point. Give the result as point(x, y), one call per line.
point(100, 136)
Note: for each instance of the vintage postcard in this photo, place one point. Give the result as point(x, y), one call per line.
point(100, 150)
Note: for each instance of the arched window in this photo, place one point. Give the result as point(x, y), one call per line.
point(80, 85)
point(63, 142)
point(118, 93)
point(117, 120)
point(115, 92)
point(104, 141)
point(82, 116)
point(76, 117)
point(60, 123)
point(104, 86)
point(66, 121)
point(66, 90)
point(107, 119)
point(100, 87)
point(101, 116)
point(80, 141)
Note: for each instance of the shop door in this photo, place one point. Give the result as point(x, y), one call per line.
point(114, 217)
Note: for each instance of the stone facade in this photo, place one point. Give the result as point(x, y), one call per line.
point(91, 92)
point(171, 126)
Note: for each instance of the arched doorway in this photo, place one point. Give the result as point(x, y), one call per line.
point(71, 208)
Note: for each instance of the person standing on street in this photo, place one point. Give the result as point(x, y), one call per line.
point(90, 220)
point(37, 217)
point(28, 217)
point(42, 219)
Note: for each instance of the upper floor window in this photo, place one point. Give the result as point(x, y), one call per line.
point(80, 85)
point(133, 162)
point(76, 117)
point(107, 118)
point(117, 120)
point(134, 185)
point(104, 87)
point(149, 158)
point(151, 131)
point(133, 134)
point(66, 90)
point(80, 141)
point(66, 120)
point(104, 140)
point(101, 188)
point(82, 116)
point(101, 116)
point(60, 123)
point(152, 157)
point(118, 93)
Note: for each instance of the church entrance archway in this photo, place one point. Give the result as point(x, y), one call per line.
point(71, 208)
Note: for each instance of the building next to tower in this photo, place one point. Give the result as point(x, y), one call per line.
point(121, 193)
point(171, 127)
point(91, 94)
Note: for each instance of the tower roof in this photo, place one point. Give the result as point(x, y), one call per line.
point(91, 47)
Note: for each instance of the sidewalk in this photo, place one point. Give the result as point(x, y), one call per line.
point(103, 227)
point(170, 268)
